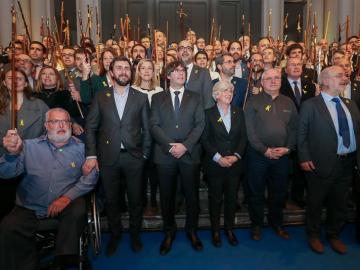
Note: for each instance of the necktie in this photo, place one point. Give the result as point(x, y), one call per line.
point(297, 93)
point(177, 104)
point(344, 131)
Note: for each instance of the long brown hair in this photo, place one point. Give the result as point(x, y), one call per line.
point(59, 83)
point(5, 92)
point(101, 64)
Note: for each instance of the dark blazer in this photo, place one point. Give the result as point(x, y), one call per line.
point(105, 131)
point(200, 82)
point(355, 92)
point(216, 139)
point(240, 86)
point(317, 138)
point(187, 130)
point(307, 90)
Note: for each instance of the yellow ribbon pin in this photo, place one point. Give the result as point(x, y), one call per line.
point(104, 83)
point(267, 108)
point(219, 120)
point(108, 94)
point(72, 164)
point(22, 122)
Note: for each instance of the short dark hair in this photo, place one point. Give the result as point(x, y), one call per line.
point(39, 43)
point(220, 59)
point(232, 42)
point(201, 52)
point(119, 59)
point(174, 65)
point(294, 47)
point(137, 45)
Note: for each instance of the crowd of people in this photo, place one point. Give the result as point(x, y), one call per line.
point(277, 117)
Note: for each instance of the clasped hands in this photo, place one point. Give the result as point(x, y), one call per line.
point(177, 150)
point(276, 153)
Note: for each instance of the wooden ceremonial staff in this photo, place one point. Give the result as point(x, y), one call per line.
point(24, 21)
point(13, 76)
point(62, 23)
point(182, 15)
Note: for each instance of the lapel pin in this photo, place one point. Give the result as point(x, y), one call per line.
point(108, 94)
point(347, 101)
point(220, 120)
point(22, 122)
point(267, 108)
point(196, 71)
point(72, 164)
point(104, 83)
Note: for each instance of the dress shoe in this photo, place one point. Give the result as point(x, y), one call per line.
point(136, 244)
point(165, 246)
point(113, 245)
point(195, 241)
point(281, 232)
point(255, 233)
point(215, 239)
point(316, 245)
point(337, 244)
point(231, 237)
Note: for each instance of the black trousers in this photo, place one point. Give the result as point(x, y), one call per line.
point(298, 183)
point(331, 192)
point(189, 177)
point(272, 173)
point(222, 188)
point(128, 169)
point(17, 235)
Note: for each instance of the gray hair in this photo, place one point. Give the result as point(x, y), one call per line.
point(47, 114)
point(221, 86)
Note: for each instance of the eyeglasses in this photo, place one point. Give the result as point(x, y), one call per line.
point(179, 70)
point(54, 123)
point(182, 48)
point(269, 79)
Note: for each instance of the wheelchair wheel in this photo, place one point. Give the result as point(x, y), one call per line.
point(94, 225)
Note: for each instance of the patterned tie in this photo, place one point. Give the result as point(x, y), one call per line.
point(297, 93)
point(344, 130)
point(177, 104)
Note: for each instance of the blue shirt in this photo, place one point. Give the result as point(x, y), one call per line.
point(48, 173)
point(332, 109)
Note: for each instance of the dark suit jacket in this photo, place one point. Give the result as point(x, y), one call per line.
point(216, 139)
point(105, 131)
point(240, 86)
point(200, 82)
point(355, 92)
point(187, 130)
point(307, 90)
point(317, 138)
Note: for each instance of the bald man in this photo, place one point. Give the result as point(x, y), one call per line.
point(328, 136)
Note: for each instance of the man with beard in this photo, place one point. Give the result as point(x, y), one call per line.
point(23, 62)
point(226, 67)
point(241, 69)
point(351, 90)
point(52, 187)
point(138, 52)
point(118, 142)
point(198, 79)
point(256, 67)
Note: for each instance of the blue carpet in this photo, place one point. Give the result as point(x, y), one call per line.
point(269, 253)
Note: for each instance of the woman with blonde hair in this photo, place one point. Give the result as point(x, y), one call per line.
point(145, 82)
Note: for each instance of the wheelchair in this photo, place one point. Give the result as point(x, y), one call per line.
point(91, 236)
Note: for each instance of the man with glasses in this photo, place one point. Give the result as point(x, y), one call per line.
point(328, 138)
point(176, 124)
point(24, 62)
point(271, 121)
point(52, 187)
point(118, 142)
point(225, 65)
point(198, 79)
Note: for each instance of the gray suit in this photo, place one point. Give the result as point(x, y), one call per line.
point(200, 82)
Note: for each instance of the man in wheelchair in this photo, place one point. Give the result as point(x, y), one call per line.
point(52, 187)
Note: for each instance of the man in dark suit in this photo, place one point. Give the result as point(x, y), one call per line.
point(198, 79)
point(225, 65)
point(328, 136)
point(352, 88)
point(118, 141)
point(298, 90)
point(176, 124)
